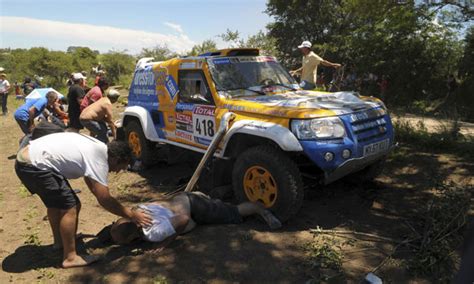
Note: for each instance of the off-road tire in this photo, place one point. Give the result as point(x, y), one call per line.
point(286, 174)
point(148, 151)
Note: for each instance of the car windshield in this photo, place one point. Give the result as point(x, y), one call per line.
point(249, 74)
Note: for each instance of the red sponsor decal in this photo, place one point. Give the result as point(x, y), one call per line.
point(204, 110)
point(184, 135)
point(184, 118)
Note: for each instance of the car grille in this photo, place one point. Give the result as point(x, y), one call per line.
point(369, 125)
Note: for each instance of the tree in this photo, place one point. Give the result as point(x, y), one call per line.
point(205, 46)
point(399, 39)
point(260, 40)
point(159, 53)
point(117, 64)
point(83, 59)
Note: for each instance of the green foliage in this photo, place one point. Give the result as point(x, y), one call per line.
point(117, 64)
point(438, 233)
point(159, 53)
point(205, 46)
point(324, 256)
point(262, 41)
point(398, 39)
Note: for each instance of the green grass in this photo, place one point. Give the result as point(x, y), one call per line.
point(447, 139)
point(23, 192)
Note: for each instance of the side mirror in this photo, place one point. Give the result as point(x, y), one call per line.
point(199, 97)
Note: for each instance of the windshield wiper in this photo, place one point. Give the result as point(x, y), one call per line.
point(282, 85)
point(248, 89)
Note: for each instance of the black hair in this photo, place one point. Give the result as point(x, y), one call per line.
point(119, 150)
point(102, 82)
point(122, 230)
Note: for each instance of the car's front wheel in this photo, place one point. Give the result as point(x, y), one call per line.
point(267, 175)
point(142, 149)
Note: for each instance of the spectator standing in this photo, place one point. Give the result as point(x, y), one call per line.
point(44, 167)
point(74, 97)
point(95, 94)
point(383, 84)
point(4, 89)
point(26, 113)
point(309, 69)
point(98, 115)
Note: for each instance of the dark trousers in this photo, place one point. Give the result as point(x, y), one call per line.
point(4, 97)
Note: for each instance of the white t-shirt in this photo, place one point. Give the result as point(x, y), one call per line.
point(71, 154)
point(161, 227)
point(4, 84)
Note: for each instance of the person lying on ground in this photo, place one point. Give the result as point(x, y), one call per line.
point(98, 115)
point(26, 113)
point(182, 213)
point(44, 167)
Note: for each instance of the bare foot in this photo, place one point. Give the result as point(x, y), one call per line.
point(271, 220)
point(80, 260)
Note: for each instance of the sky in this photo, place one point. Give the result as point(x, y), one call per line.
point(119, 25)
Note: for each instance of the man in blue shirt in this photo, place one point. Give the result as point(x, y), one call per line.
point(26, 113)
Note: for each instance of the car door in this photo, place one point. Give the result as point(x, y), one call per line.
point(195, 109)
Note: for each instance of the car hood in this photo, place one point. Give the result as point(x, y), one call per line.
point(303, 104)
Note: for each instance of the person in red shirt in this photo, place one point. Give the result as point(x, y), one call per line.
point(95, 94)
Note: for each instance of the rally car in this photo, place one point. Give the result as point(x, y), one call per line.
point(281, 136)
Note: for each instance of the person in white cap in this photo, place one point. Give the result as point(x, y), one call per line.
point(309, 70)
point(75, 96)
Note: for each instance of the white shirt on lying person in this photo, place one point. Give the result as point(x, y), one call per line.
point(161, 227)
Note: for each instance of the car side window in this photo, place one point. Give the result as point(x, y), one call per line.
point(193, 87)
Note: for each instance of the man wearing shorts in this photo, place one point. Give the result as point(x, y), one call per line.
point(182, 213)
point(44, 167)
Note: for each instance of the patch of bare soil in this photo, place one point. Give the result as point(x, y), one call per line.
point(228, 253)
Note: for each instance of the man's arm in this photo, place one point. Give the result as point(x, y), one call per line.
point(108, 119)
point(330, 64)
point(101, 192)
point(296, 71)
point(31, 118)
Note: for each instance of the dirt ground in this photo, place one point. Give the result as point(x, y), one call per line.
point(247, 253)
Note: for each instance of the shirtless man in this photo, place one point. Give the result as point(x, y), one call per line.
point(96, 116)
point(182, 213)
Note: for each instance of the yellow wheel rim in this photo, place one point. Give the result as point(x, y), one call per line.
point(260, 186)
point(134, 142)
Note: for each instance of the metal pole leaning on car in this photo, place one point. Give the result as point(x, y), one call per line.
point(223, 127)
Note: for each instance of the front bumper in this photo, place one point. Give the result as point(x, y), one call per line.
point(353, 165)
point(376, 130)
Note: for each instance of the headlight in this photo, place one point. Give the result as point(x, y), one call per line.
point(321, 128)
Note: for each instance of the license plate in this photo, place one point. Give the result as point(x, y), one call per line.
point(375, 148)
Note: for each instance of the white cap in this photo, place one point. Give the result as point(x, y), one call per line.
point(77, 76)
point(306, 44)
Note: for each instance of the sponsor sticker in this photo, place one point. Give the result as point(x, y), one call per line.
point(221, 61)
point(184, 122)
point(171, 86)
point(184, 135)
point(187, 65)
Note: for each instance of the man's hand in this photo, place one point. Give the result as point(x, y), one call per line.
point(141, 218)
point(336, 65)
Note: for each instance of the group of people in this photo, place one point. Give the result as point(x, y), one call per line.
point(91, 109)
